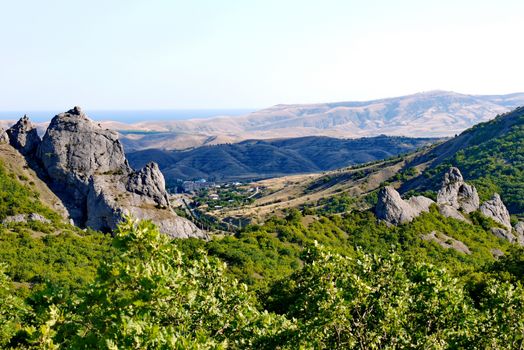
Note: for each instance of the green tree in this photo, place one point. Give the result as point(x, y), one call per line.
point(150, 296)
point(12, 310)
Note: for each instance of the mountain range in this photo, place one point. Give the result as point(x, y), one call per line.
point(427, 114)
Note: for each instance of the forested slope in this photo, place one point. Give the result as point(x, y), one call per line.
point(490, 155)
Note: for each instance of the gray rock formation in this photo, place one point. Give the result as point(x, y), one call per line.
point(4, 138)
point(394, 210)
point(504, 234)
point(497, 253)
point(450, 212)
point(74, 145)
point(496, 210)
point(14, 219)
point(447, 242)
point(149, 182)
point(23, 136)
point(88, 170)
point(38, 217)
point(519, 232)
point(22, 218)
point(456, 193)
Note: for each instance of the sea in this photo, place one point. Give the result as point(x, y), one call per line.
point(132, 116)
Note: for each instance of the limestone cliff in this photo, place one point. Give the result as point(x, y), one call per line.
point(85, 166)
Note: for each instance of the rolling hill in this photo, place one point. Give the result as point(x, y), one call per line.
point(257, 159)
point(428, 114)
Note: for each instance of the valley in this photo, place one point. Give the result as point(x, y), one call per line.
point(404, 212)
point(259, 159)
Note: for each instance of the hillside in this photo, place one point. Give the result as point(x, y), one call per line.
point(428, 114)
point(257, 159)
point(313, 274)
point(37, 244)
point(490, 155)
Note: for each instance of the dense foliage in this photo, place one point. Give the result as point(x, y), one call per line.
point(322, 277)
point(152, 295)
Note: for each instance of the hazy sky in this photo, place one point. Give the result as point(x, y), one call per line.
point(153, 54)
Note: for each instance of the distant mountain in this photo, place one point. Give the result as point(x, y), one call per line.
point(256, 159)
point(490, 155)
point(428, 114)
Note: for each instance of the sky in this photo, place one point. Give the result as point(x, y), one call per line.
point(203, 54)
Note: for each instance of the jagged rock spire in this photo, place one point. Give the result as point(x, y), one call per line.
point(456, 193)
point(496, 210)
point(23, 136)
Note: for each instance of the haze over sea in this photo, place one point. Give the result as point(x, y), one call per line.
point(131, 116)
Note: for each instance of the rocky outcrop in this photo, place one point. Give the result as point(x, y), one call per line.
point(88, 170)
point(504, 234)
point(497, 253)
point(519, 232)
point(450, 212)
point(4, 138)
point(23, 136)
point(446, 242)
point(149, 182)
point(496, 210)
point(74, 145)
point(392, 209)
point(23, 218)
point(456, 193)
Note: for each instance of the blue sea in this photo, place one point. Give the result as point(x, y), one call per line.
point(131, 116)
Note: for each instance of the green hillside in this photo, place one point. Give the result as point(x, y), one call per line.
point(37, 252)
point(490, 155)
point(327, 275)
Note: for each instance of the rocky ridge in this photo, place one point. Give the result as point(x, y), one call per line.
point(457, 194)
point(454, 199)
point(85, 165)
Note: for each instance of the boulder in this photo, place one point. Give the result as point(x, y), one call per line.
point(75, 146)
point(519, 232)
point(23, 218)
point(4, 138)
point(497, 253)
point(38, 217)
point(450, 212)
point(392, 209)
point(504, 234)
point(88, 170)
point(447, 242)
point(496, 210)
point(15, 219)
point(23, 136)
point(456, 193)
